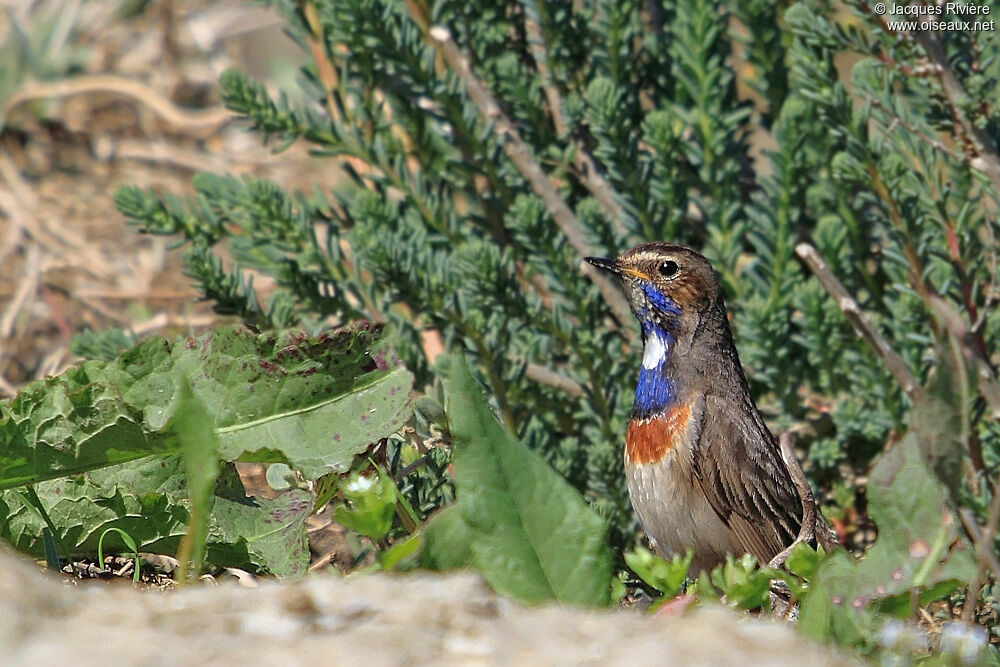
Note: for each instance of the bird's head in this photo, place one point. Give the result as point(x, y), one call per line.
point(665, 283)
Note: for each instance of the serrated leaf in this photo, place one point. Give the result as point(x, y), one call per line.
point(267, 534)
point(146, 499)
point(313, 402)
point(529, 532)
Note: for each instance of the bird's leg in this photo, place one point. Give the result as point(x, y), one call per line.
point(780, 594)
point(807, 529)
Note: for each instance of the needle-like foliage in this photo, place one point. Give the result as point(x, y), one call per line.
point(741, 128)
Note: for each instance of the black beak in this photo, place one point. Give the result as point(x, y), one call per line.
point(605, 263)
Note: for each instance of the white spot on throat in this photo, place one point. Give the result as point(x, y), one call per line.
point(655, 351)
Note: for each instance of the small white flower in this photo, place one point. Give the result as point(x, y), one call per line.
point(360, 484)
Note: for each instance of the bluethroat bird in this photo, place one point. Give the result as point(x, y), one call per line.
point(703, 469)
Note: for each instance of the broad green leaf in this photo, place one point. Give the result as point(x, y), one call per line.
point(822, 614)
point(529, 532)
point(314, 403)
point(148, 500)
point(267, 534)
point(446, 541)
point(79, 420)
point(919, 548)
point(311, 402)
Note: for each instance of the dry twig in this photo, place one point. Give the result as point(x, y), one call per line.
point(164, 320)
point(520, 154)
point(988, 160)
point(862, 325)
point(202, 122)
point(31, 278)
point(585, 166)
point(6, 388)
point(547, 376)
point(21, 204)
point(984, 550)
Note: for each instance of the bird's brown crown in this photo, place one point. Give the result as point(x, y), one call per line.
point(678, 271)
point(650, 270)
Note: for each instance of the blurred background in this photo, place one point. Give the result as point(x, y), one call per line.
point(95, 94)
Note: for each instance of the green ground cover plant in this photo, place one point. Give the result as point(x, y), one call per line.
point(134, 444)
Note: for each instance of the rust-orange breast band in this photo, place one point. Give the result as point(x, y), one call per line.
point(648, 440)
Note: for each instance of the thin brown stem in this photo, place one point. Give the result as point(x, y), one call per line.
point(550, 378)
point(936, 144)
point(584, 165)
point(536, 45)
point(324, 68)
point(975, 533)
point(984, 552)
point(960, 331)
point(896, 217)
point(988, 158)
point(862, 325)
point(520, 154)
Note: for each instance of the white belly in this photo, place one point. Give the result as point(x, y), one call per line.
point(675, 513)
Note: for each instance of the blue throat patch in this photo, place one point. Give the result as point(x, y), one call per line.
point(654, 391)
point(659, 300)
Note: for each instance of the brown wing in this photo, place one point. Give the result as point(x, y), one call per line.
point(747, 485)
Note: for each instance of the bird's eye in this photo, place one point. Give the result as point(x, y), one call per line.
point(668, 268)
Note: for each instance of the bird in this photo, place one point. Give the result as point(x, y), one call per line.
point(703, 470)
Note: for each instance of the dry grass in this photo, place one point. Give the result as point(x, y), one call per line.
point(139, 107)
